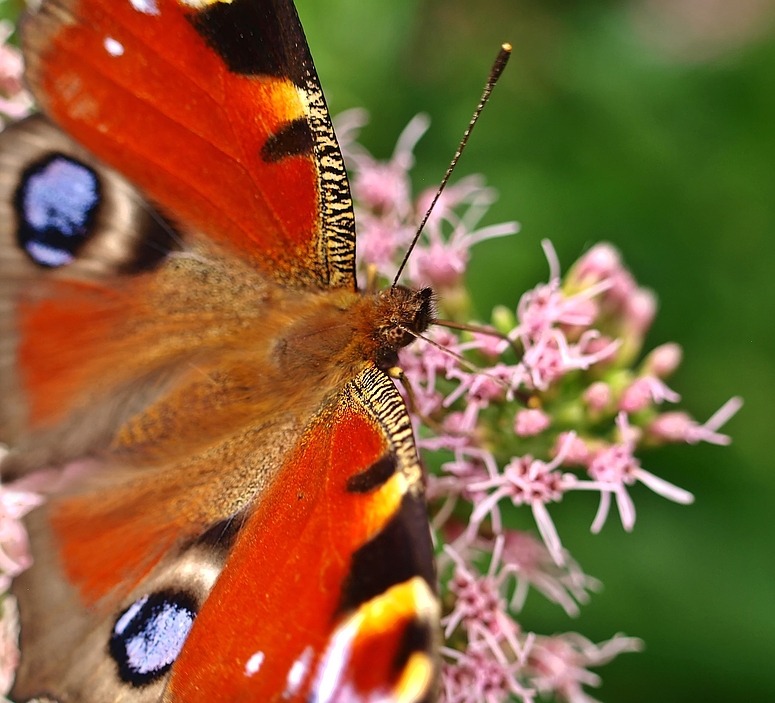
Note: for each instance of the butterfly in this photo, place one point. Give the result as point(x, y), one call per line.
point(236, 507)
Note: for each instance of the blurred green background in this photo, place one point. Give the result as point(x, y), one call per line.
point(650, 124)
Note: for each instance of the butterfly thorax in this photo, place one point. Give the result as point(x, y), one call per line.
point(342, 331)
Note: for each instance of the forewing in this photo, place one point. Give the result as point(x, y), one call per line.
point(215, 111)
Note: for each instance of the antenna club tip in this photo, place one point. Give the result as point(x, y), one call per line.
point(506, 47)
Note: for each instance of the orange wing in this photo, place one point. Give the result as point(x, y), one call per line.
point(325, 591)
point(332, 575)
point(215, 111)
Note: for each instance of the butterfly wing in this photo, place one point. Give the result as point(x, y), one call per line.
point(214, 110)
point(326, 592)
point(357, 588)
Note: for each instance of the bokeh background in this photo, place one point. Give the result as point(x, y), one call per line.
point(650, 124)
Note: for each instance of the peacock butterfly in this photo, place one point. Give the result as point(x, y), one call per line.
point(239, 510)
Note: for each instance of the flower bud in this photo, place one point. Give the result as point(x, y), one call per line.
point(577, 452)
point(598, 396)
point(663, 360)
point(671, 427)
point(640, 307)
point(602, 261)
point(636, 397)
point(529, 423)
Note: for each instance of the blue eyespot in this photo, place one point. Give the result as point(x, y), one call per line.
point(56, 204)
point(149, 635)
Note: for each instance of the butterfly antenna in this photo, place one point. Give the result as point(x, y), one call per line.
point(457, 357)
point(495, 73)
point(479, 329)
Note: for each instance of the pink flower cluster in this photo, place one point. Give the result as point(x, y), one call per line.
point(499, 661)
point(546, 399)
point(15, 101)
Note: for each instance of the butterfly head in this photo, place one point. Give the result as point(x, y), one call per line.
point(400, 315)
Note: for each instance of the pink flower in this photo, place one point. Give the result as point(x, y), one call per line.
point(622, 288)
point(469, 190)
point(534, 566)
point(471, 465)
point(616, 467)
point(15, 101)
point(639, 309)
point(479, 389)
point(680, 427)
point(388, 218)
point(663, 360)
point(601, 262)
point(551, 357)
point(11, 62)
point(480, 607)
point(478, 676)
point(558, 665)
point(441, 260)
point(575, 451)
point(14, 546)
point(546, 306)
point(381, 240)
point(482, 387)
point(424, 362)
point(597, 396)
point(644, 391)
point(629, 308)
point(382, 191)
point(530, 422)
point(526, 481)
point(490, 345)
point(384, 186)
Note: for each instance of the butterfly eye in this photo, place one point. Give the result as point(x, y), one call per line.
point(149, 635)
point(56, 204)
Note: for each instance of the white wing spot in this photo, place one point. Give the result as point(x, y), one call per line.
point(330, 676)
point(254, 664)
point(147, 7)
point(113, 47)
point(298, 673)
